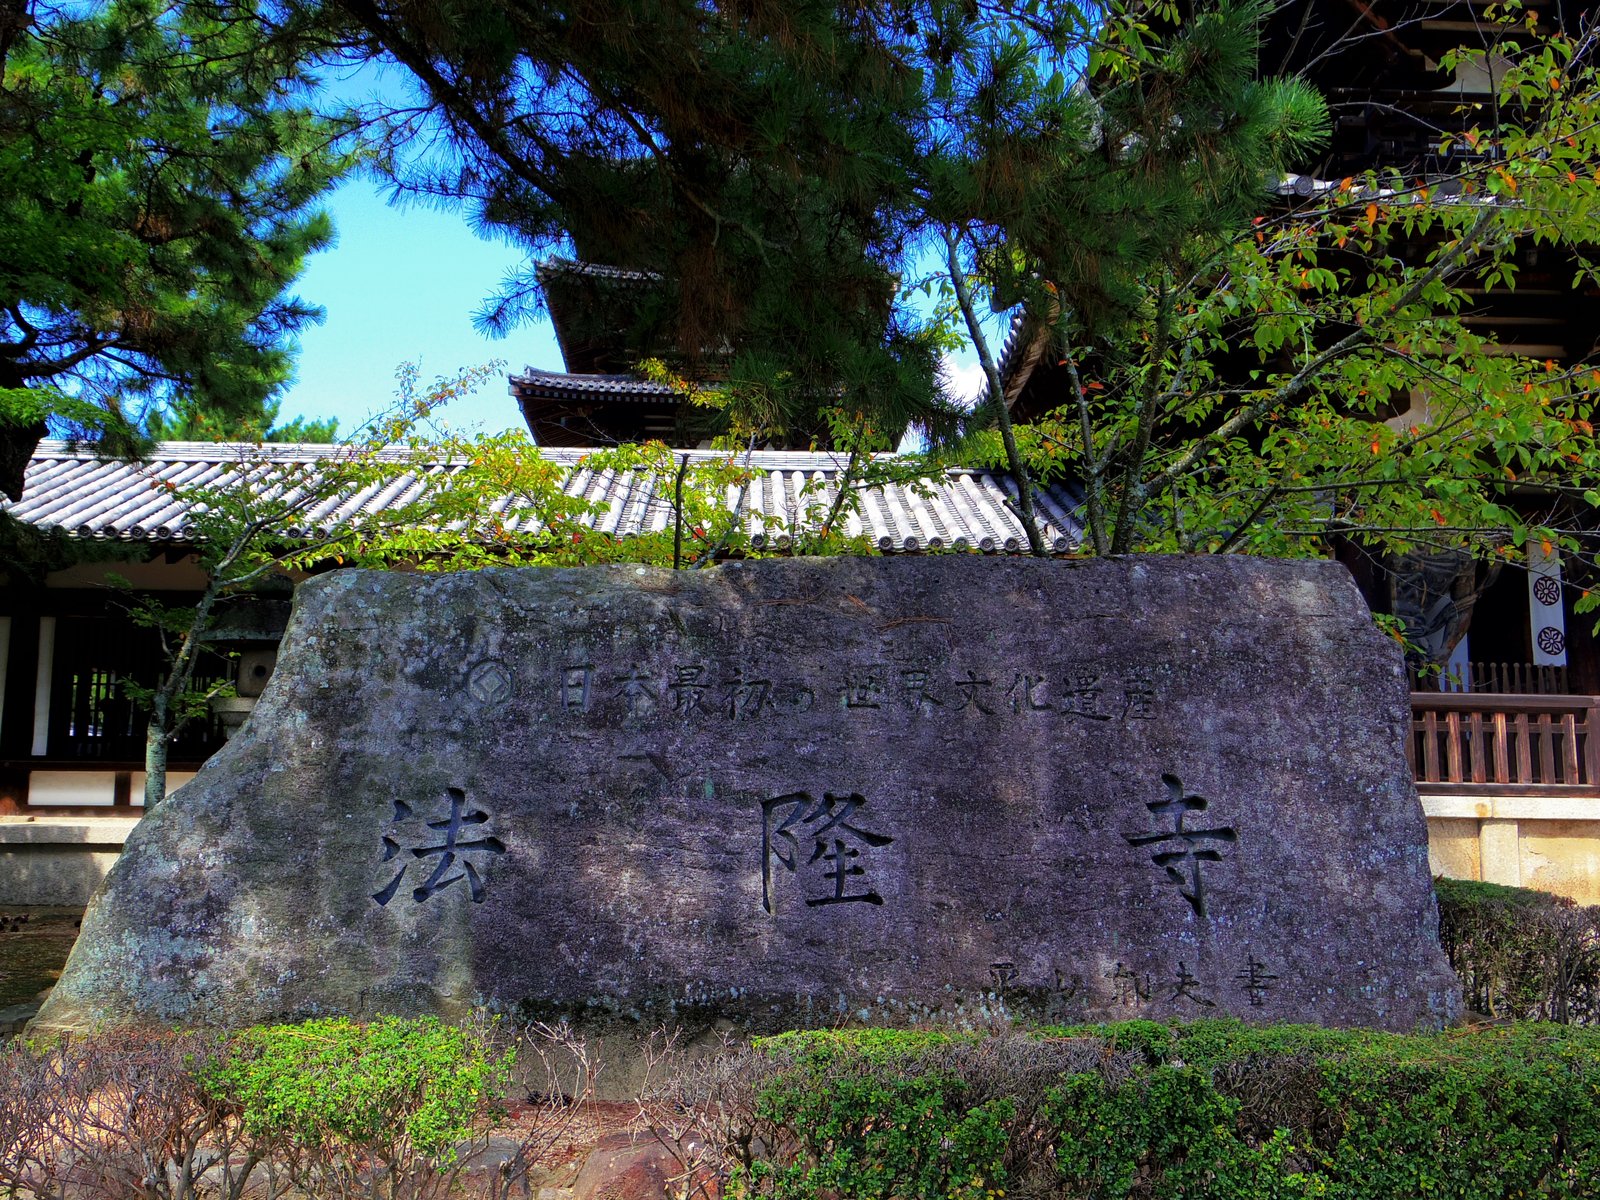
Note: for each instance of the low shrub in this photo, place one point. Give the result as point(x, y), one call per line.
point(341, 1104)
point(1211, 1111)
point(325, 1109)
point(118, 1115)
point(390, 1090)
point(1521, 954)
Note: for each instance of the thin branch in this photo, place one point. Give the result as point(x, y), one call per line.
point(1133, 498)
point(1301, 381)
point(47, 370)
point(1019, 471)
point(1094, 483)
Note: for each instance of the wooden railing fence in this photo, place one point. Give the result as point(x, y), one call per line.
point(1505, 678)
point(1496, 744)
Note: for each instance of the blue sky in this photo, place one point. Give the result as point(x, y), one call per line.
point(401, 285)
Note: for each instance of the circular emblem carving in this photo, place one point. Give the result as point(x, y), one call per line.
point(1552, 640)
point(490, 682)
point(1546, 590)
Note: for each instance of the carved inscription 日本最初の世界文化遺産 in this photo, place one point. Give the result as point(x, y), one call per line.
point(701, 690)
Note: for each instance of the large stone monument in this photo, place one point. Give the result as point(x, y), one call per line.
point(797, 792)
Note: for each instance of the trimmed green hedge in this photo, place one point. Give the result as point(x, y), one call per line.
point(1521, 954)
point(1210, 1110)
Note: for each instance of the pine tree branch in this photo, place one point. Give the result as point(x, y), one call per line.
point(446, 92)
point(48, 370)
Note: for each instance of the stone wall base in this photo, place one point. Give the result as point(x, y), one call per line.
point(57, 860)
point(1548, 843)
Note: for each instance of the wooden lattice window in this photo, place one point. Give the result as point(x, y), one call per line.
point(91, 716)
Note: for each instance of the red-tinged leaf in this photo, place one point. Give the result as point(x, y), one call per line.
point(1547, 546)
point(1375, 445)
point(1438, 517)
point(1372, 214)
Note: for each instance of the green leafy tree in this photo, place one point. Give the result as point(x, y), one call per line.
point(1071, 165)
point(161, 174)
point(192, 423)
point(1297, 377)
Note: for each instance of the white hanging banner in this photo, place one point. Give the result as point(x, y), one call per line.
point(1547, 622)
point(1457, 676)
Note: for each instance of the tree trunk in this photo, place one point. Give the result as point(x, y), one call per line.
point(159, 730)
point(997, 397)
point(155, 753)
point(14, 22)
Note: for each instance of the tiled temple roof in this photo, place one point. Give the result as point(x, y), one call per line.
point(72, 492)
point(562, 385)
